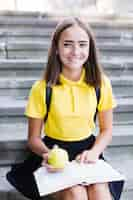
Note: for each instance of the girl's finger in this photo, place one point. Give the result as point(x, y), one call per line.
point(45, 156)
point(50, 168)
point(53, 170)
point(89, 159)
point(44, 163)
point(86, 160)
point(78, 158)
point(82, 157)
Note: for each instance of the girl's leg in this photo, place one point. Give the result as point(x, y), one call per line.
point(77, 192)
point(99, 191)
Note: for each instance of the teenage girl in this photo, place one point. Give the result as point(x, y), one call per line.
point(73, 72)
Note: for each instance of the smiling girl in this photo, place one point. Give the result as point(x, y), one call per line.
point(73, 72)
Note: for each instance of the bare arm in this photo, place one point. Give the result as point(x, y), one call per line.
point(105, 131)
point(34, 136)
point(102, 140)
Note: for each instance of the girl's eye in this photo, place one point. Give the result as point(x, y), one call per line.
point(83, 45)
point(67, 44)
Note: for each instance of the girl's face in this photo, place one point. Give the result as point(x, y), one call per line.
point(73, 47)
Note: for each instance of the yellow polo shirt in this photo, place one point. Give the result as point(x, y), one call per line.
point(72, 107)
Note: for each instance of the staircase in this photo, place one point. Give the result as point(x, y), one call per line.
point(24, 42)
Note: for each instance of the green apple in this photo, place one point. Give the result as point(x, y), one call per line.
point(58, 157)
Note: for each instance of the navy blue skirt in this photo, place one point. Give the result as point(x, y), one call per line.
point(21, 174)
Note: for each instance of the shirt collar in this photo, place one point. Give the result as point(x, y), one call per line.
point(81, 81)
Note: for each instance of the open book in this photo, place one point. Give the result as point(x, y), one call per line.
point(73, 174)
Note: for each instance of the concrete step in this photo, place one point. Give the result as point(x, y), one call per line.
point(2, 36)
point(123, 162)
point(16, 87)
point(36, 49)
point(122, 85)
point(23, 32)
point(27, 49)
point(104, 29)
point(24, 21)
point(123, 112)
point(102, 35)
point(22, 14)
point(12, 109)
point(122, 135)
point(114, 35)
point(21, 35)
point(22, 67)
point(19, 87)
point(118, 66)
point(109, 24)
point(12, 18)
point(120, 49)
point(26, 37)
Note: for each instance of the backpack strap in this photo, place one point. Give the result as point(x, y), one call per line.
point(48, 100)
point(97, 90)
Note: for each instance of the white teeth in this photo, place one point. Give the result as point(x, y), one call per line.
point(74, 59)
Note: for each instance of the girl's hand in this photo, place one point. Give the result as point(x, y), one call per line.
point(87, 156)
point(50, 168)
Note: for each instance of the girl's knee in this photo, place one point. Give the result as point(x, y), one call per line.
point(100, 190)
point(99, 186)
point(76, 192)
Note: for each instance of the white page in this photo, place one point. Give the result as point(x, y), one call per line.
point(73, 174)
point(100, 172)
point(51, 182)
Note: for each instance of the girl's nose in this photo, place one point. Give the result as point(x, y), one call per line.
point(76, 50)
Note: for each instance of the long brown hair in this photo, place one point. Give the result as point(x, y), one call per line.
point(54, 65)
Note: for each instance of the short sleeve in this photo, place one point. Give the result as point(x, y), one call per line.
point(36, 106)
point(107, 100)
